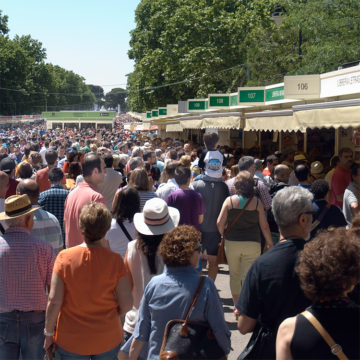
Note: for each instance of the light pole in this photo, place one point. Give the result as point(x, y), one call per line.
point(278, 19)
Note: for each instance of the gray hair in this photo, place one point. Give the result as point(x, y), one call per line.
point(245, 163)
point(16, 222)
point(136, 151)
point(289, 203)
point(258, 164)
point(123, 158)
point(135, 162)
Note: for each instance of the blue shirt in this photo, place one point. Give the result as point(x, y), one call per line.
point(168, 296)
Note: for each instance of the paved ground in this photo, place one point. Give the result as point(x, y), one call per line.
point(238, 341)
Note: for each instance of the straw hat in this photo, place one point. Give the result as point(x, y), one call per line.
point(16, 206)
point(299, 157)
point(316, 167)
point(157, 218)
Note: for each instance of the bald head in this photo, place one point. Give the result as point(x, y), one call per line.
point(4, 184)
point(282, 173)
point(29, 187)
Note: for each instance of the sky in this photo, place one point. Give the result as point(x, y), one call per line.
point(89, 37)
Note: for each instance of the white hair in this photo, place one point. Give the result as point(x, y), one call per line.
point(289, 203)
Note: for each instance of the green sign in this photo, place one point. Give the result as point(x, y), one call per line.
point(206, 104)
point(154, 113)
point(275, 94)
point(163, 112)
point(197, 105)
point(148, 115)
point(219, 101)
point(252, 96)
point(234, 100)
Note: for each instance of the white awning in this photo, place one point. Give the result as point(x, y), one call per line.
point(272, 123)
point(174, 127)
point(223, 122)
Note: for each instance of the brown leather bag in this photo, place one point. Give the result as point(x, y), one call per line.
point(184, 339)
point(221, 255)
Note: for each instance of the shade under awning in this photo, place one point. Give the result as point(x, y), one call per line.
point(191, 124)
point(146, 125)
point(175, 127)
point(329, 118)
point(272, 123)
point(223, 122)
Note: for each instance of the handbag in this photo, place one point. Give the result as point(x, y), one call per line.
point(335, 348)
point(221, 256)
point(184, 339)
point(261, 344)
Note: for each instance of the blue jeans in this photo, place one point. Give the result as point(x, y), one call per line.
point(22, 333)
point(108, 355)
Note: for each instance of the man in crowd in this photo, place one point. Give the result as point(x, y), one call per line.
point(26, 265)
point(342, 177)
point(247, 163)
point(53, 200)
point(302, 175)
point(42, 176)
point(7, 165)
point(112, 181)
point(171, 185)
point(214, 194)
point(87, 191)
point(4, 184)
point(271, 162)
point(271, 291)
point(46, 226)
point(352, 195)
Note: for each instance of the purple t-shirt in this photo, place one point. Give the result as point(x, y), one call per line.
point(190, 205)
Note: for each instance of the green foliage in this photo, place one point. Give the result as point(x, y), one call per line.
point(98, 92)
point(194, 40)
point(115, 97)
point(29, 86)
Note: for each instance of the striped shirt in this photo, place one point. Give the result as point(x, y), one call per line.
point(26, 265)
point(46, 227)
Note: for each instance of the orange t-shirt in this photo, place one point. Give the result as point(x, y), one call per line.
point(89, 321)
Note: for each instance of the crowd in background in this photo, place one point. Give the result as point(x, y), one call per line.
point(137, 218)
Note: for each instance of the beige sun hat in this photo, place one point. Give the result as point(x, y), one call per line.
point(316, 167)
point(157, 218)
point(16, 206)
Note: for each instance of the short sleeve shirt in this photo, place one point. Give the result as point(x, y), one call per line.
point(190, 205)
point(89, 322)
point(351, 195)
point(271, 289)
point(339, 182)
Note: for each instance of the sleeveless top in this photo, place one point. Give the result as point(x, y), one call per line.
point(247, 227)
point(341, 319)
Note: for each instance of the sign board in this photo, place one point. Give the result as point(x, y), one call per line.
point(148, 115)
point(197, 105)
point(274, 93)
point(154, 113)
point(162, 111)
point(219, 101)
point(252, 95)
point(302, 87)
point(340, 82)
point(234, 99)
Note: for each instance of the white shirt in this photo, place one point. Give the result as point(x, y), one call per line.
point(165, 189)
point(108, 188)
point(42, 152)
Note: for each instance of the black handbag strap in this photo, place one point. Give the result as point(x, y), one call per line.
point(238, 217)
point(123, 228)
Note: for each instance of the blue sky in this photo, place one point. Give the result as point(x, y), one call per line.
point(89, 37)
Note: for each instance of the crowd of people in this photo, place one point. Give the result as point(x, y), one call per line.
point(104, 236)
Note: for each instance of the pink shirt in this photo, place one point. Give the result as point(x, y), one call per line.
point(82, 195)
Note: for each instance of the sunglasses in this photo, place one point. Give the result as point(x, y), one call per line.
point(198, 249)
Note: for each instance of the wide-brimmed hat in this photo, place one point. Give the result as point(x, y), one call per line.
point(157, 218)
point(299, 157)
point(16, 206)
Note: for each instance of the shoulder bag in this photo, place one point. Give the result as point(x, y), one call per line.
point(123, 228)
point(335, 348)
point(221, 256)
point(184, 339)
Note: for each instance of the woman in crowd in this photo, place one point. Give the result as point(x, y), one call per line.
point(242, 237)
point(122, 229)
point(74, 172)
point(169, 295)
point(329, 268)
point(89, 290)
point(142, 258)
point(140, 181)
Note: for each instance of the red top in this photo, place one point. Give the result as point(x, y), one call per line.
point(266, 172)
point(12, 187)
point(339, 182)
point(42, 178)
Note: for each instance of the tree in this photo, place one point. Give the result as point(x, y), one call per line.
point(3, 24)
point(115, 97)
point(98, 91)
